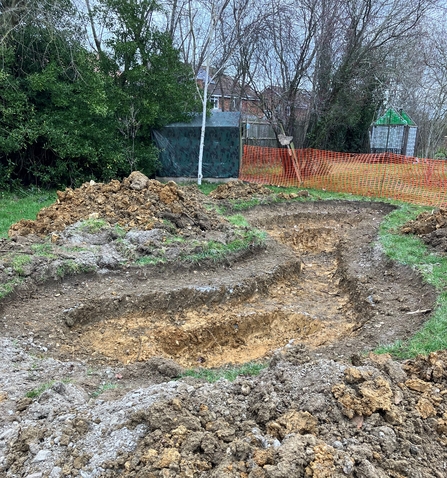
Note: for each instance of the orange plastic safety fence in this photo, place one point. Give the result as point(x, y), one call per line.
point(385, 175)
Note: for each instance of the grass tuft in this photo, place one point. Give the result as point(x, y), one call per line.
point(238, 220)
point(104, 388)
point(217, 251)
point(229, 373)
point(19, 262)
point(43, 250)
point(8, 287)
point(36, 392)
point(149, 261)
point(92, 226)
point(71, 267)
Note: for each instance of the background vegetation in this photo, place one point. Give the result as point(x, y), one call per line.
point(69, 114)
point(83, 84)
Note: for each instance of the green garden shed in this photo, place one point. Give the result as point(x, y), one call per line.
point(394, 132)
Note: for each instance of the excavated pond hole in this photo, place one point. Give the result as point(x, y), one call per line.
point(309, 308)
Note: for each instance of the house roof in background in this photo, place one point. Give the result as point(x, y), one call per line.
point(225, 86)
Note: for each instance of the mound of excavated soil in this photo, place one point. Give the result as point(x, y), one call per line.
point(302, 417)
point(100, 227)
point(137, 202)
point(431, 227)
point(239, 190)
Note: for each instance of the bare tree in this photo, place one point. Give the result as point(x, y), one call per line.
point(280, 65)
point(419, 85)
point(352, 67)
point(208, 33)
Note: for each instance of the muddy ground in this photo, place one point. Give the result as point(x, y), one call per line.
point(431, 227)
point(92, 364)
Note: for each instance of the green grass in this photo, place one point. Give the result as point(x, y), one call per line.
point(19, 261)
point(23, 204)
point(36, 392)
point(228, 373)
point(174, 240)
point(119, 231)
point(71, 267)
point(124, 248)
point(207, 188)
point(218, 209)
point(43, 250)
point(8, 287)
point(410, 250)
point(320, 195)
point(149, 261)
point(104, 388)
point(217, 251)
point(244, 204)
point(92, 226)
point(238, 220)
point(314, 195)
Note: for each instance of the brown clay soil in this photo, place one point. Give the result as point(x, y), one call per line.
point(310, 303)
point(431, 227)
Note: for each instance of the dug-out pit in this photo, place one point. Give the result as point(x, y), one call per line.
point(321, 280)
point(305, 304)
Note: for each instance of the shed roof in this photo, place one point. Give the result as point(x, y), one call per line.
point(394, 118)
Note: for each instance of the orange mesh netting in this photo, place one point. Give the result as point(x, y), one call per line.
point(386, 175)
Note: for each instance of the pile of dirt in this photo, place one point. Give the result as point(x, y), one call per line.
point(100, 227)
point(431, 227)
point(135, 203)
point(301, 417)
point(376, 420)
point(239, 190)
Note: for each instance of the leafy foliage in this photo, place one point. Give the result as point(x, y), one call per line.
point(68, 115)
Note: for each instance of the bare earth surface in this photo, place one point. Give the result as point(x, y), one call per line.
point(431, 227)
point(104, 350)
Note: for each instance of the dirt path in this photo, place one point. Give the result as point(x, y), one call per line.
point(318, 296)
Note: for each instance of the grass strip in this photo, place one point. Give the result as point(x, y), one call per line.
point(23, 204)
point(217, 251)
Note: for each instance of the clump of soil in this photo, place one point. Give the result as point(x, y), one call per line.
point(114, 226)
point(239, 190)
point(136, 202)
point(431, 227)
point(302, 417)
point(373, 420)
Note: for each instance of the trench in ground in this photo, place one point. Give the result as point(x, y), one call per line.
point(309, 307)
